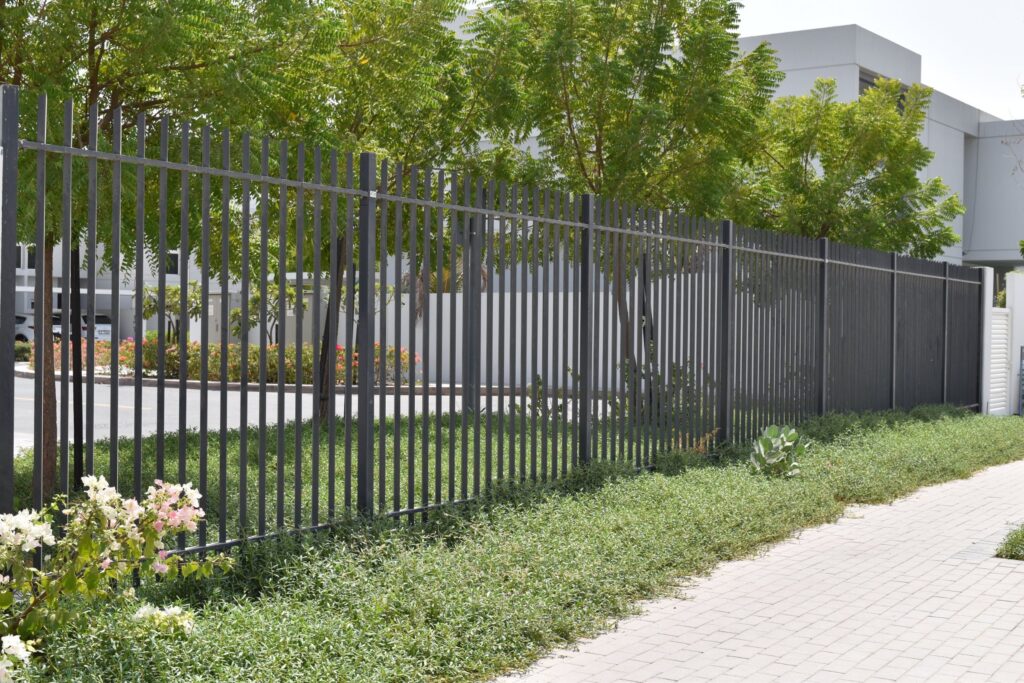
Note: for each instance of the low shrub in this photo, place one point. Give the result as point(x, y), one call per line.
point(776, 452)
point(1012, 547)
point(22, 351)
point(172, 356)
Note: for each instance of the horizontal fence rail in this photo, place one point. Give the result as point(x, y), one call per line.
point(307, 335)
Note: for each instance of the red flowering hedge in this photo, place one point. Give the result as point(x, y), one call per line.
point(172, 361)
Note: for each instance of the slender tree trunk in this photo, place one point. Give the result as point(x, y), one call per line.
point(326, 343)
point(622, 307)
point(49, 459)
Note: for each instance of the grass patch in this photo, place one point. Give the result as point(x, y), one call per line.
point(1012, 547)
point(492, 588)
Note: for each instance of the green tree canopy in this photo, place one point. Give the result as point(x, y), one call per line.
point(848, 171)
point(647, 101)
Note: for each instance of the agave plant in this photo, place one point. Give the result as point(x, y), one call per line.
point(776, 452)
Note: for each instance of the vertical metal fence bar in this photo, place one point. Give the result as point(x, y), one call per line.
point(264, 276)
point(90, 316)
point(140, 294)
point(945, 332)
point(439, 345)
point(317, 378)
point(468, 337)
point(544, 341)
point(615, 388)
point(396, 467)
point(823, 300)
point(606, 358)
point(280, 334)
point(413, 291)
point(524, 298)
point(40, 308)
point(504, 274)
point(243, 338)
point(381, 362)
point(895, 316)
point(367, 257)
point(204, 327)
point(350, 293)
point(332, 325)
point(414, 270)
point(161, 319)
point(439, 333)
point(300, 305)
point(225, 294)
point(488, 256)
point(115, 291)
point(557, 341)
point(534, 327)
point(424, 276)
point(511, 268)
point(65, 293)
point(583, 410)
point(725, 337)
point(184, 259)
point(452, 328)
point(8, 262)
point(475, 274)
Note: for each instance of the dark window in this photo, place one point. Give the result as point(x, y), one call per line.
point(31, 258)
point(172, 264)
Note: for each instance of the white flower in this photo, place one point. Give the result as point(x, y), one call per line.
point(7, 670)
point(169, 619)
point(15, 648)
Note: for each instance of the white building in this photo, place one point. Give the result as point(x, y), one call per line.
point(979, 156)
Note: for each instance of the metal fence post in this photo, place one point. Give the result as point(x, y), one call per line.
point(583, 408)
point(945, 333)
point(8, 254)
point(895, 307)
point(725, 335)
point(823, 329)
point(367, 268)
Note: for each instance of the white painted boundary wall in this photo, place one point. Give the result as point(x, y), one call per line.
point(1015, 303)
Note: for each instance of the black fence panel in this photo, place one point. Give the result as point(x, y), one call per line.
point(307, 335)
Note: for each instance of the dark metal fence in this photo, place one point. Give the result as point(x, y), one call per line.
point(407, 337)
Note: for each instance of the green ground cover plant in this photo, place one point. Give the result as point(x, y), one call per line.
point(1012, 547)
point(492, 586)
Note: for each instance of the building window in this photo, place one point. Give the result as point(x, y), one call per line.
point(172, 263)
point(31, 257)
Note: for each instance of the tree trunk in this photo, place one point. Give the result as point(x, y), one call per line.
point(326, 343)
point(49, 455)
point(622, 307)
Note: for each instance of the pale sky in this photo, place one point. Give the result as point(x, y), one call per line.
point(972, 51)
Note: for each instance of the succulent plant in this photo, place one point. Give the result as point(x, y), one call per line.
point(776, 452)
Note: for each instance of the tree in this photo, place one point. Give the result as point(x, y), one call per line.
point(848, 171)
point(381, 75)
point(195, 306)
point(648, 101)
point(642, 100)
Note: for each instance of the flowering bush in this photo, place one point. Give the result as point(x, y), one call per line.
point(172, 360)
point(169, 620)
point(106, 539)
point(15, 654)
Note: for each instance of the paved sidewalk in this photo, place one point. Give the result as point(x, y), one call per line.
point(909, 591)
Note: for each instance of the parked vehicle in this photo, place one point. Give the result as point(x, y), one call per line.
point(24, 327)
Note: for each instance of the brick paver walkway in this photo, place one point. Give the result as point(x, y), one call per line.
point(909, 591)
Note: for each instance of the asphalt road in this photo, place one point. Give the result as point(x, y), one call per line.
point(151, 408)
